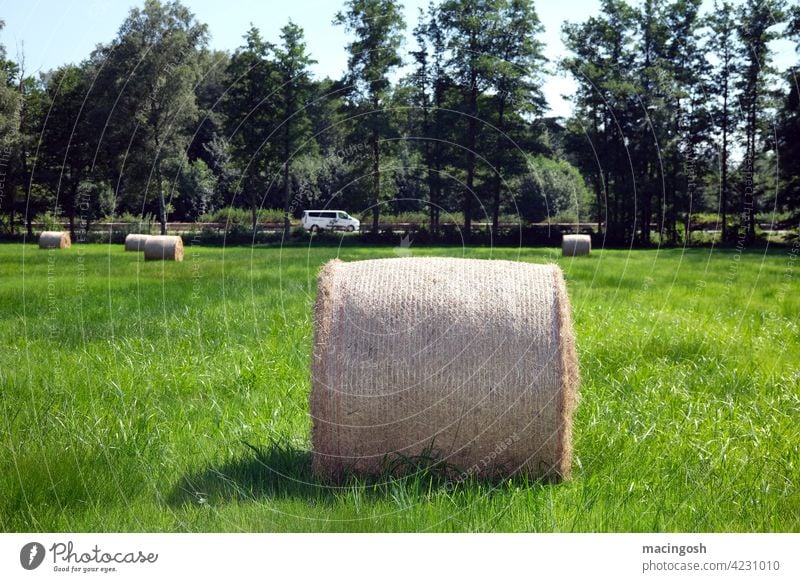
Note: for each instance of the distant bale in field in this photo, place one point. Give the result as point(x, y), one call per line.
point(471, 359)
point(135, 242)
point(54, 239)
point(163, 248)
point(576, 245)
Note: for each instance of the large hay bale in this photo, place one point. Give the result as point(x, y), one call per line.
point(471, 359)
point(54, 239)
point(163, 248)
point(576, 245)
point(135, 242)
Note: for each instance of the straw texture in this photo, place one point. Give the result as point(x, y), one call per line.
point(576, 245)
point(135, 242)
point(53, 239)
point(475, 359)
point(163, 248)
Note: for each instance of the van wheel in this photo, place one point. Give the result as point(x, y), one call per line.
point(351, 228)
point(314, 228)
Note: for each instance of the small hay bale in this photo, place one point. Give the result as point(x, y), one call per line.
point(135, 242)
point(55, 239)
point(473, 360)
point(576, 245)
point(163, 248)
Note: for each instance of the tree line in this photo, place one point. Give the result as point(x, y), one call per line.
point(676, 113)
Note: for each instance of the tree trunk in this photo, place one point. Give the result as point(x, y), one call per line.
point(751, 216)
point(72, 221)
point(724, 189)
point(162, 207)
point(254, 213)
point(426, 132)
point(376, 169)
point(287, 196)
point(287, 153)
point(598, 185)
point(11, 207)
point(376, 176)
point(471, 144)
point(26, 178)
point(498, 167)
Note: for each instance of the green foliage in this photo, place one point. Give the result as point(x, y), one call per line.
point(9, 102)
point(153, 122)
point(157, 53)
point(242, 217)
point(198, 187)
point(553, 190)
point(49, 221)
point(378, 27)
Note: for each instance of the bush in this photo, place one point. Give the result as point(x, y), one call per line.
point(229, 215)
point(553, 188)
point(242, 216)
point(49, 221)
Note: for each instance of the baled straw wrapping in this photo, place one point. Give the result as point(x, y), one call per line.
point(54, 239)
point(135, 242)
point(163, 248)
point(576, 245)
point(472, 360)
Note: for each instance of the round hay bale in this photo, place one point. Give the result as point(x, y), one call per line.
point(163, 248)
point(472, 360)
point(576, 245)
point(135, 242)
point(54, 239)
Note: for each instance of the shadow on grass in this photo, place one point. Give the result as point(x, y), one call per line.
point(277, 471)
point(281, 471)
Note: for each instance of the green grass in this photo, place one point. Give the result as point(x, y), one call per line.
point(146, 397)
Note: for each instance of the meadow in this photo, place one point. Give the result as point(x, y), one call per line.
point(174, 397)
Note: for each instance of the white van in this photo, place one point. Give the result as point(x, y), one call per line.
point(316, 220)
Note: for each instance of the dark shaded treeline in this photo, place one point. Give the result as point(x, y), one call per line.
point(675, 113)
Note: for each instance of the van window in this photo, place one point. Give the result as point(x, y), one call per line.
point(313, 214)
point(342, 215)
point(329, 215)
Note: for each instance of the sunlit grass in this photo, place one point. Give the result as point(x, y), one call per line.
point(149, 396)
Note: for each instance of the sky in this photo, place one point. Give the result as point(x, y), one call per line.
point(51, 33)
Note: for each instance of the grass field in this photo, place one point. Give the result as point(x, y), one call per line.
point(147, 397)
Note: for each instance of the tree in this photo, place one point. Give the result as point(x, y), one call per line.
point(788, 130)
point(33, 100)
point(249, 108)
point(641, 104)
point(9, 131)
point(152, 67)
point(65, 154)
point(601, 65)
point(722, 43)
point(292, 64)
point(756, 18)
point(378, 28)
point(471, 27)
point(518, 61)
point(432, 84)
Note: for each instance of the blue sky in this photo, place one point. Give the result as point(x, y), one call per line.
point(55, 32)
